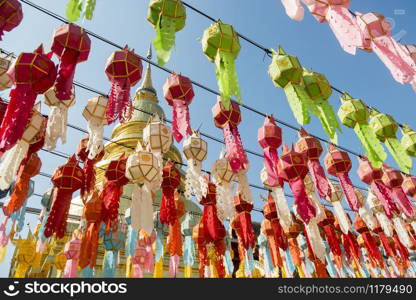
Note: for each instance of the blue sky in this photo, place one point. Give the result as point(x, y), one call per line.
point(124, 22)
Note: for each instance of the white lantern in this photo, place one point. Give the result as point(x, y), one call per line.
point(339, 212)
point(195, 151)
point(377, 209)
point(13, 157)
point(5, 82)
point(58, 118)
point(365, 214)
point(310, 191)
point(144, 171)
point(94, 113)
point(157, 137)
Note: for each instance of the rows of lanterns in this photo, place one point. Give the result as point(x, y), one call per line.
point(308, 240)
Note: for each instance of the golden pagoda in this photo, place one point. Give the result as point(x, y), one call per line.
point(124, 139)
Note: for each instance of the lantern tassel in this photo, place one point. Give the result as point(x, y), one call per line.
point(372, 248)
point(110, 263)
point(271, 161)
point(167, 206)
point(303, 207)
point(402, 233)
point(332, 240)
point(142, 209)
point(404, 202)
point(382, 193)
point(297, 99)
point(367, 217)
point(71, 268)
point(349, 191)
point(342, 218)
point(373, 149)
point(165, 38)
point(326, 115)
point(89, 247)
point(118, 102)
point(399, 154)
point(111, 200)
point(173, 265)
point(56, 222)
point(294, 9)
point(315, 240)
point(95, 138)
point(10, 164)
point(65, 77)
point(57, 126)
point(234, 148)
point(16, 118)
point(319, 178)
point(181, 120)
point(227, 77)
point(283, 209)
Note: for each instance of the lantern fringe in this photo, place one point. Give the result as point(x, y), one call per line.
point(367, 217)
point(319, 178)
point(192, 180)
point(294, 9)
point(349, 191)
point(66, 72)
point(141, 210)
point(326, 115)
point(374, 150)
point(165, 38)
point(304, 208)
point(95, 138)
point(57, 221)
point(10, 164)
point(402, 233)
point(71, 268)
point(403, 202)
point(227, 77)
point(297, 99)
point(56, 126)
point(399, 154)
point(118, 102)
point(315, 240)
point(283, 210)
point(342, 218)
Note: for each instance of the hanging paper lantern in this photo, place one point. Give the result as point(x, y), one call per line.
point(267, 229)
point(175, 236)
point(11, 15)
point(94, 113)
point(159, 245)
point(294, 250)
point(187, 226)
point(113, 242)
point(409, 186)
point(74, 8)
point(67, 179)
point(228, 120)
point(311, 148)
point(32, 74)
point(195, 150)
point(270, 213)
point(171, 180)
point(198, 235)
point(393, 179)
point(31, 141)
point(408, 140)
point(178, 93)
point(221, 45)
point(377, 34)
point(222, 177)
point(72, 45)
point(143, 257)
point(341, 217)
point(167, 17)
point(293, 169)
point(58, 118)
point(269, 137)
point(331, 236)
point(25, 255)
point(143, 168)
point(365, 214)
point(385, 128)
point(243, 221)
point(89, 166)
point(318, 88)
point(294, 9)
point(5, 82)
point(72, 251)
point(113, 189)
point(157, 137)
point(338, 164)
point(369, 242)
point(341, 21)
point(354, 114)
point(286, 73)
point(123, 69)
point(89, 239)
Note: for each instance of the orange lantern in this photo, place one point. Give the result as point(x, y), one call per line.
point(270, 213)
point(243, 221)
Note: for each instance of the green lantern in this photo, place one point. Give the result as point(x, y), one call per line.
point(318, 88)
point(167, 17)
point(385, 128)
point(221, 45)
point(354, 114)
point(286, 73)
point(409, 140)
point(74, 8)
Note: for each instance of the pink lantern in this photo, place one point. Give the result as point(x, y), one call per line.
point(10, 15)
point(124, 69)
point(293, 169)
point(394, 179)
point(228, 120)
point(179, 94)
point(409, 186)
point(72, 252)
point(72, 45)
point(270, 138)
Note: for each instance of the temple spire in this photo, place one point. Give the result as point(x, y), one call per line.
point(147, 84)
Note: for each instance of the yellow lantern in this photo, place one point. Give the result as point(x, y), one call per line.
point(58, 116)
point(26, 253)
point(60, 262)
point(94, 112)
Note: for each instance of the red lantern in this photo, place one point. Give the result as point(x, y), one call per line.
point(67, 179)
point(338, 164)
point(369, 242)
point(32, 74)
point(72, 45)
point(331, 236)
point(89, 170)
point(267, 229)
point(293, 169)
point(243, 221)
point(124, 69)
point(198, 235)
point(178, 93)
point(409, 186)
point(89, 239)
point(373, 177)
point(228, 120)
point(214, 229)
point(112, 191)
point(270, 213)
point(11, 15)
point(393, 179)
point(311, 148)
point(171, 180)
point(270, 138)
